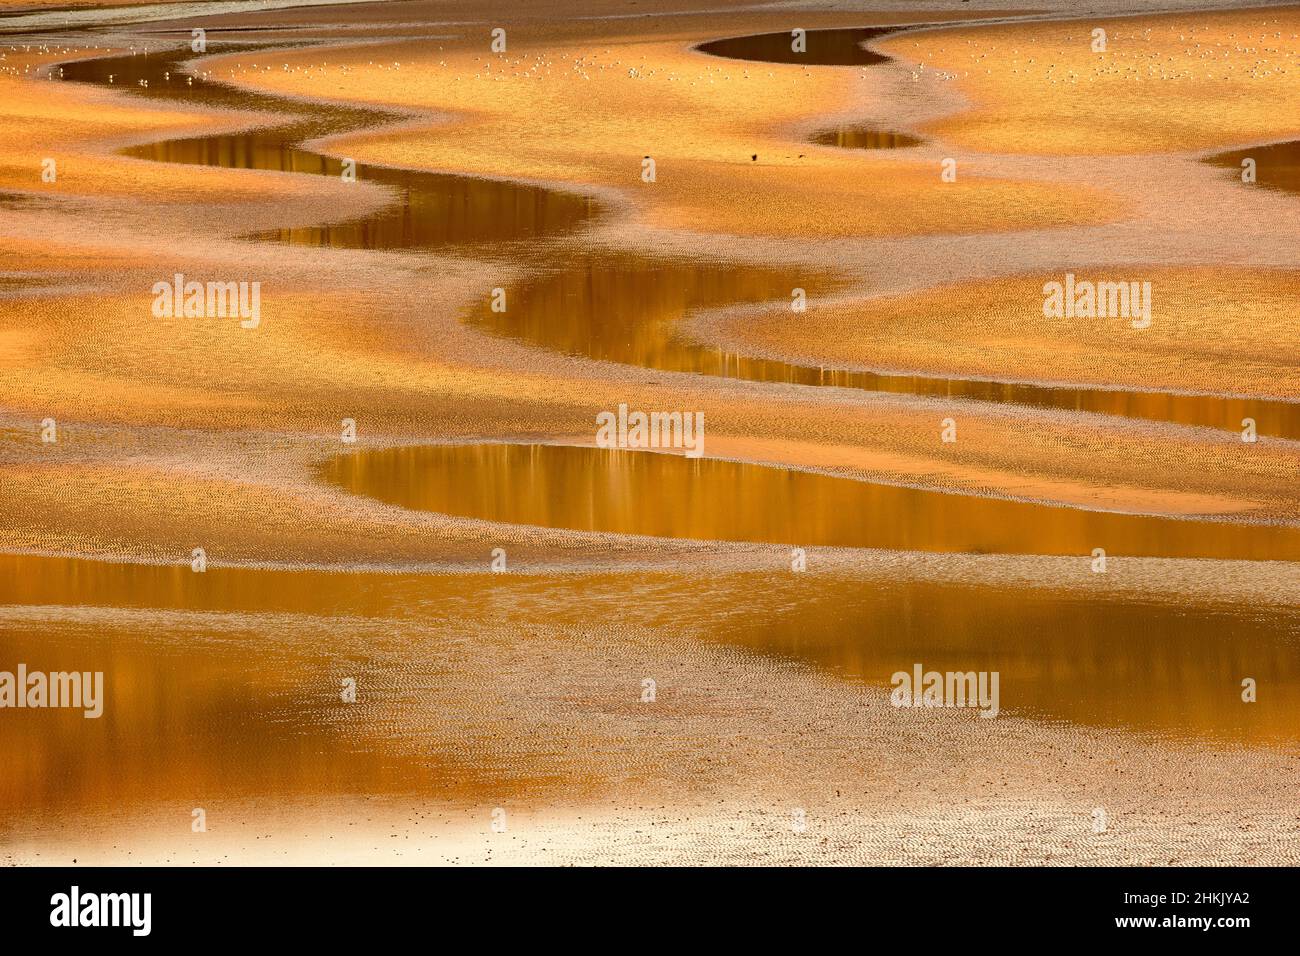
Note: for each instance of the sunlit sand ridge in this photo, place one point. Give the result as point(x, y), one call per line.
point(523, 690)
point(593, 112)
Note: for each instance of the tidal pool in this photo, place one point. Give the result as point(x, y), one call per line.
point(629, 309)
point(831, 47)
point(1277, 165)
point(619, 308)
point(430, 210)
point(226, 683)
point(1108, 660)
point(864, 137)
point(670, 496)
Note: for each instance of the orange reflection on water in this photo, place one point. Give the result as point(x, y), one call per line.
point(430, 209)
point(1130, 663)
point(671, 496)
point(226, 684)
point(1277, 165)
point(618, 308)
point(628, 309)
point(864, 137)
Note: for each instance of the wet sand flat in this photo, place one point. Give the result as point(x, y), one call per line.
point(547, 736)
point(498, 608)
point(639, 103)
point(1212, 330)
point(1043, 89)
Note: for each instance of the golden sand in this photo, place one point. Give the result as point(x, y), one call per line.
point(522, 690)
point(1222, 78)
point(560, 112)
point(457, 718)
point(1212, 330)
point(42, 119)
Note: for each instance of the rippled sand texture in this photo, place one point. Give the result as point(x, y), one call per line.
point(498, 590)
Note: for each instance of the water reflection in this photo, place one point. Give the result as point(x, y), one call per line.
point(864, 137)
point(1277, 165)
point(671, 496)
point(17, 201)
point(224, 684)
point(832, 47)
point(1111, 662)
point(627, 309)
point(617, 308)
point(430, 210)
point(220, 712)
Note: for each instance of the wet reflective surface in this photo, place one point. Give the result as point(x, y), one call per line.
point(627, 309)
point(672, 496)
point(1175, 669)
point(226, 683)
point(863, 137)
point(1277, 166)
point(429, 210)
point(486, 688)
point(833, 47)
point(223, 684)
point(209, 707)
point(616, 308)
